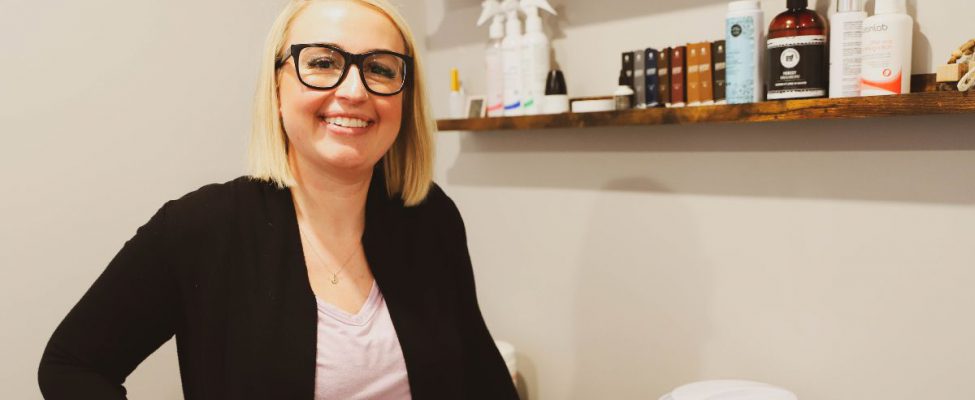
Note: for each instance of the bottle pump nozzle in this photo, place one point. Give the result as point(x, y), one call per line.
point(533, 22)
point(512, 24)
point(492, 9)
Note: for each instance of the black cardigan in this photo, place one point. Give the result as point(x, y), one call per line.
point(222, 269)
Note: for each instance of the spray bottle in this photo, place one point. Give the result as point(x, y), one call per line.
point(536, 61)
point(495, 71)
point(511, 59)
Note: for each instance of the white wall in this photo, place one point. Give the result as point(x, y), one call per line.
point(834, 258)
point(109, 108)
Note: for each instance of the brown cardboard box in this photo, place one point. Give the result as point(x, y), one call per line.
point(693, 74)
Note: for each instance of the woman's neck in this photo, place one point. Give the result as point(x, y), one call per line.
point(331, 203)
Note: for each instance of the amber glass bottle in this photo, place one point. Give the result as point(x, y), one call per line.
point(798, 58)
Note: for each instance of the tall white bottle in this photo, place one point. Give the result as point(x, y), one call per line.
point(846, 48)
point(511, 59)
point(744, 52)
point(887, 49)
point(493, 57)
point(535, 55)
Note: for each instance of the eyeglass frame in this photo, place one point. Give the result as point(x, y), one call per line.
point(350, 59)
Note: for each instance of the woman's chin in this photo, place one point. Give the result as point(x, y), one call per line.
point(347, 160)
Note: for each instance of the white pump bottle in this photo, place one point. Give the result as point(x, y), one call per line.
point(535, 55)
point(511, 59)
point(495, 69)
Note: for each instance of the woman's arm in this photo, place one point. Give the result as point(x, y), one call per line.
point(485, 373)
point(126, 315)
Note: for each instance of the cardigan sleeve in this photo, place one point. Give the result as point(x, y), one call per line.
point(485, 373)
point(126, 315)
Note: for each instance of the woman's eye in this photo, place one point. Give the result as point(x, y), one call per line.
point(382, 70)
point(321, 63)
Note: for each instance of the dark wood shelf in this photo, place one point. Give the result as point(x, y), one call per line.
point(923, 103)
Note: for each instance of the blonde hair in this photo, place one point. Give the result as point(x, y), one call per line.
point(408, 164)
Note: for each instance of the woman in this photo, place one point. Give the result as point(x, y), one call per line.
point(337, 270)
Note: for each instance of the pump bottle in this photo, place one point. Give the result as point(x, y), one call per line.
point(536, 61)
point(511, 59)
point(492, 57)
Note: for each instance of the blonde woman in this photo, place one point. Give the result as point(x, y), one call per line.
point(336, 270)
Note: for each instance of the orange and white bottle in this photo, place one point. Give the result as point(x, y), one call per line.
point(887, 50)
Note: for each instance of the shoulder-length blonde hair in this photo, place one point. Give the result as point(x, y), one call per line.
point(408, 165)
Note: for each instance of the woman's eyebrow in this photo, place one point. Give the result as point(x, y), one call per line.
point(344, 49)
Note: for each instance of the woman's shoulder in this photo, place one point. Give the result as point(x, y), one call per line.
point(215, 198)
point(438, 210)
point(213, 205)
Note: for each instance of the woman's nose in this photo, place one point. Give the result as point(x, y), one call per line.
point(352, 88)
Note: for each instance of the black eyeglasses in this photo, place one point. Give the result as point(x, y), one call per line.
point(324, 66)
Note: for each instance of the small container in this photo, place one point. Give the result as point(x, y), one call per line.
point(623, 96)
point(456, 98)
point(593, 105)
point(556, 96)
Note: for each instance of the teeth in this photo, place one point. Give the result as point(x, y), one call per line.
point(347, 122)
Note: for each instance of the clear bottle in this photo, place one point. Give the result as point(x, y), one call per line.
point(797, 54)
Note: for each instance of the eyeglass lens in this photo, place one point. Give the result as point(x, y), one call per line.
point(322, 67)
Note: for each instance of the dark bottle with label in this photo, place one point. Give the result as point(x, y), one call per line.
point(798, 58)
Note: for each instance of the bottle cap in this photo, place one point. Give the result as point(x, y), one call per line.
point(555, 83)
point(849, 5)
point(622, 80)
point(890, 7)
point(454, 80)
point(797, 4)
point(744, 5)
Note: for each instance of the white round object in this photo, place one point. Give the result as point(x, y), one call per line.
point(704, 390)
point(756, 393)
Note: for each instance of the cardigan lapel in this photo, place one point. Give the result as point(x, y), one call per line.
point(390, 248)
point(275, 314)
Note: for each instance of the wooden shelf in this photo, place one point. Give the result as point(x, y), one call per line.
point(924, 103)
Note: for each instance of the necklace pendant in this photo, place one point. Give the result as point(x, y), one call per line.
point(335, 279)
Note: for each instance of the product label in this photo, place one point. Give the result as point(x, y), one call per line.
point(883, 63)
point(844, 59)
point(797, 67)
point(740, 58)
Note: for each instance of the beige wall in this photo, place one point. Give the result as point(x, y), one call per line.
point(834, 258)
point(830, 257)
point(108, 108)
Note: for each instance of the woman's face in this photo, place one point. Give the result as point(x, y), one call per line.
point(344, 129)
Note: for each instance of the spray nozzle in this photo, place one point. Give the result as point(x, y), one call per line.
point(489, 9)
point(531, 7)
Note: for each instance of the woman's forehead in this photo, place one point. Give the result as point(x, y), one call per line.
point(354, 26)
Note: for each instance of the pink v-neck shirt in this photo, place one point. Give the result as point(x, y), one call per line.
point(359, 356)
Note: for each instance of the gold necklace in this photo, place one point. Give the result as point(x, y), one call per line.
point(335, 275)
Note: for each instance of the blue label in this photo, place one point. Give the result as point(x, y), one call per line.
point(740, 59)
